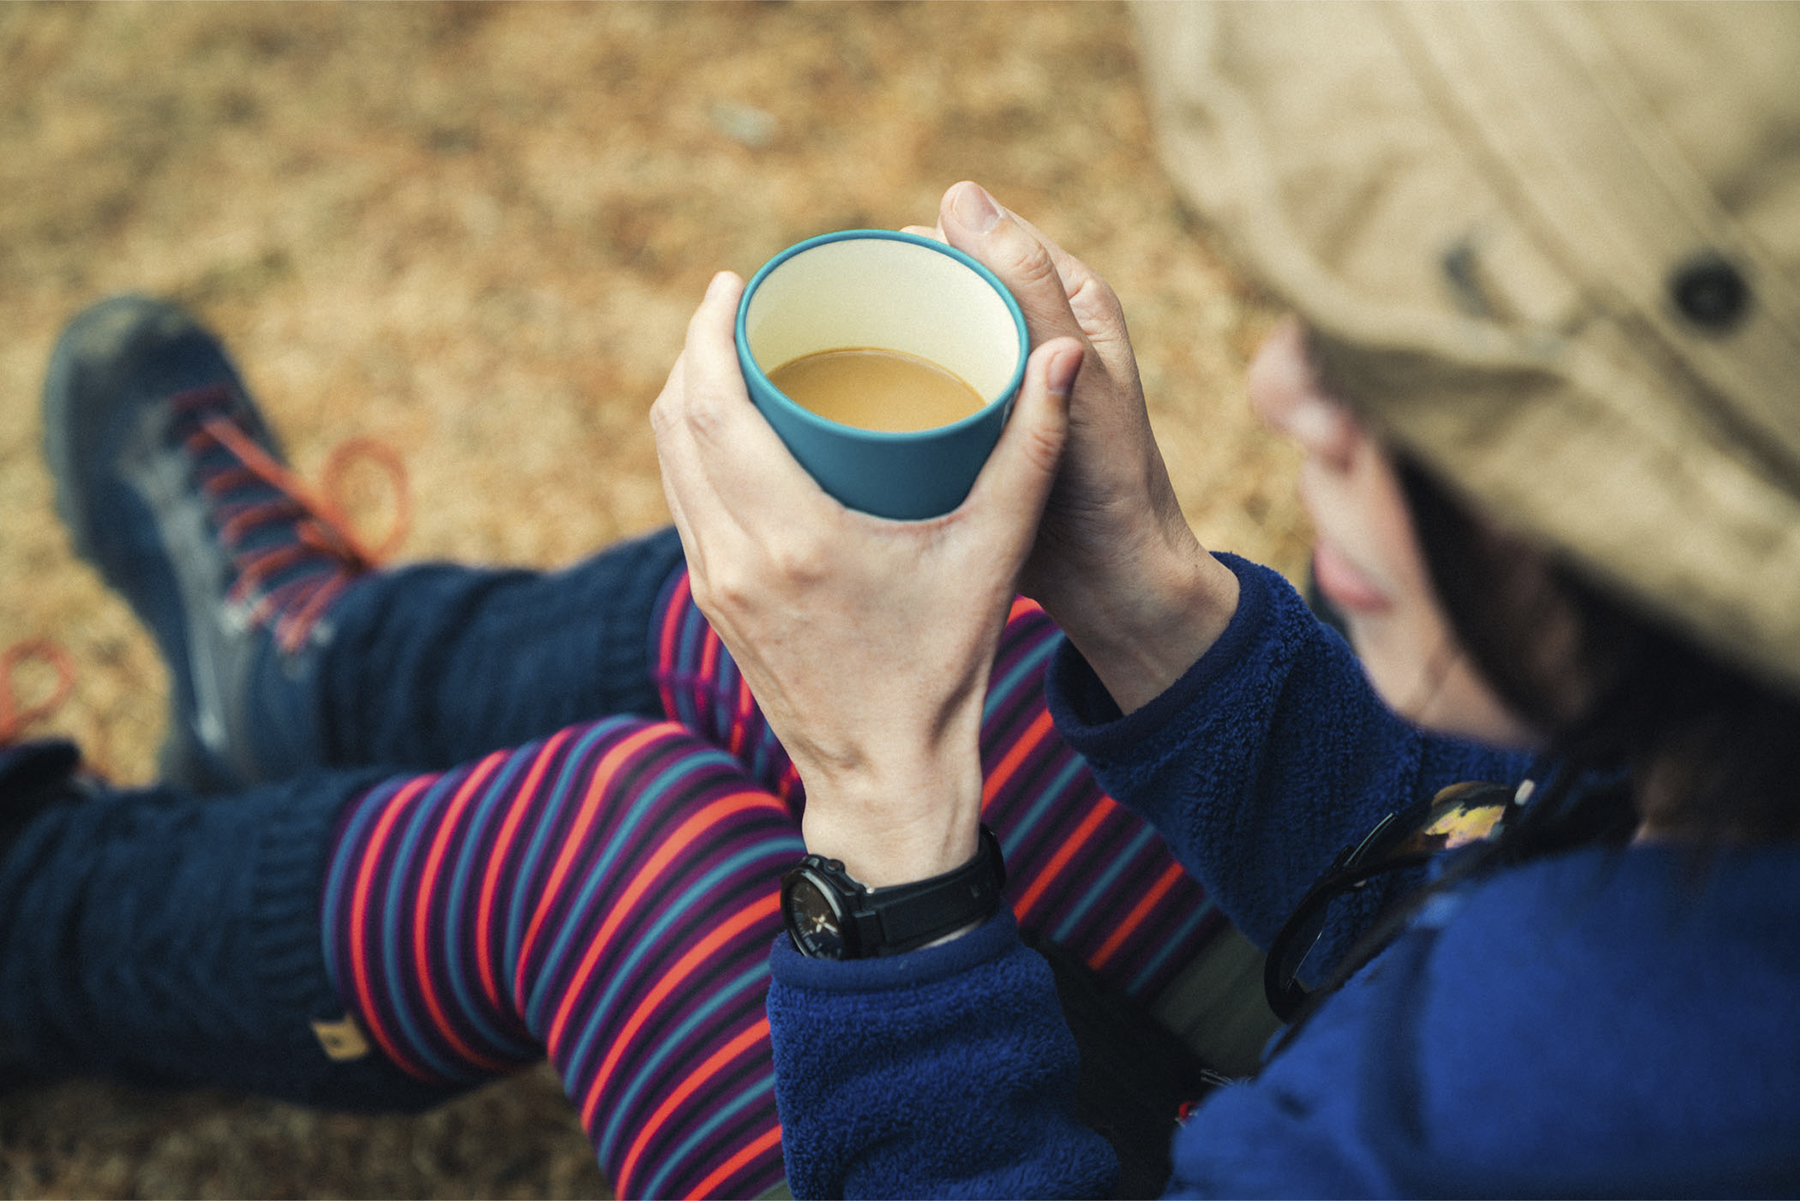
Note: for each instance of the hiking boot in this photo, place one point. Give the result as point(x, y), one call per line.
point(172, 485)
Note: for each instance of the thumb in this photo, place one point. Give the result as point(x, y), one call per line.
point(1019, 473)
point(975, 224)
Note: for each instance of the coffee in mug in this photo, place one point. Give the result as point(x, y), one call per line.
point(862, 310)
point(875, 389)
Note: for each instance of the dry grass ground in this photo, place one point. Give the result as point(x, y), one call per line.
point(476, 233)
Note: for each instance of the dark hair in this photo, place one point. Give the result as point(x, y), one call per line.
point(1624, 699)
point(1712, 753)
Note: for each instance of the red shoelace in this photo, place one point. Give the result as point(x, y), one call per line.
point(17, 715)
point(321, 526)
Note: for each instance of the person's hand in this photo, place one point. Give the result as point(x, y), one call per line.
point(866, 642)
point(1115, 562)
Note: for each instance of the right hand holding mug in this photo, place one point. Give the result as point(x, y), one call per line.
point(1115, 562)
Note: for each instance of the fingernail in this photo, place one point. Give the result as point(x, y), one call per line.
point(975, 209)
point(1062, 372)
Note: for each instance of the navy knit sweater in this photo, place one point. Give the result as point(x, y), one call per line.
point(1599, 1022)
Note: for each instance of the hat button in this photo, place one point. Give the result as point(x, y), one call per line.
point(1710, 293)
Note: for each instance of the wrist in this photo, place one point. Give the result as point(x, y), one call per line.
point(896, 827)
point(1141, 639)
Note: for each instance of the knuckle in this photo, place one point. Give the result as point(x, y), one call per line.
point(727, 592)
point(704, 418)
point(726, 595)
point(704, 413)
point(713, 603)
point(664, 414)
point(1097, 306)
point(1031, 264)
point(700, 587)
point(800, 562)
point(1044, 445)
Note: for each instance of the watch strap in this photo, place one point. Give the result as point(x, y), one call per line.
point(911, 915)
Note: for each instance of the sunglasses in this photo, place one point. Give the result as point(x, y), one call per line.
point(1457, 816)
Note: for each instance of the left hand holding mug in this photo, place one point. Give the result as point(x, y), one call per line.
point(867, 643)
point(1116, 564)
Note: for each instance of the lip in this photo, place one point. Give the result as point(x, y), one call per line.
point(1343, 583)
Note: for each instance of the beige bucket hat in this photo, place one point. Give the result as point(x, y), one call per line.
point(1553, 249)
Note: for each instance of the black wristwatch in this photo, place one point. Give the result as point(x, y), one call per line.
point(831, 916)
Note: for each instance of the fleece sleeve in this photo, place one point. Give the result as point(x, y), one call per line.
point(944, 1072)
point(1268, 757)
point(949, 1072)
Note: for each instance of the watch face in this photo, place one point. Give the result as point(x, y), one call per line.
point(814, 920)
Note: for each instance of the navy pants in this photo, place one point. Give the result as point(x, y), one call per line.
point(161, 938)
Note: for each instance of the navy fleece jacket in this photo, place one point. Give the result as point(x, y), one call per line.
point(1593, 1023)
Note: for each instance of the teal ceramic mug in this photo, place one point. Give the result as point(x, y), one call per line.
point(885, 291)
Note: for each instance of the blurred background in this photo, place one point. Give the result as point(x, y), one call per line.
point(476, 233)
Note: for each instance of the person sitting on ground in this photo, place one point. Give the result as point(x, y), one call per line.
point(421, 826)
point(1546, 262)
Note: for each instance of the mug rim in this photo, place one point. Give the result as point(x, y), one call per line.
point(748, 358)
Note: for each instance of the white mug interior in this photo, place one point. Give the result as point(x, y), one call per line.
point(890, 294)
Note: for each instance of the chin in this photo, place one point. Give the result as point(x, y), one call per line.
point(1447, 697)
point(1477, 715)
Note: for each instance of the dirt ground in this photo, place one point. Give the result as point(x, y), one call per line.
point(476, 233)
